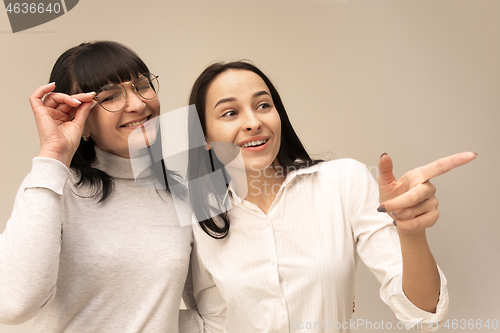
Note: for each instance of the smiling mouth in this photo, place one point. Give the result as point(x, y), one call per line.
point(256, 143)
point(137, 123)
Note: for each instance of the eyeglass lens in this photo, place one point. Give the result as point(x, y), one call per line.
point(113, 96)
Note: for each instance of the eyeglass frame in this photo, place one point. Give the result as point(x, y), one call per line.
point(96, 99)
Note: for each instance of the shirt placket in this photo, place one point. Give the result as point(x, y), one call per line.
point(275, 214)
point(280, 323)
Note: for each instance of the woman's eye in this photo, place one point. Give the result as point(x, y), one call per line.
point(229, 114)
point(143, 87)
point(111, 98)
point(263, 106)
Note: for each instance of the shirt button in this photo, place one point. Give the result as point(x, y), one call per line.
point(273, 262)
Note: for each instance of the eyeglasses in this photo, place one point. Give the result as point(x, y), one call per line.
point(113, 97)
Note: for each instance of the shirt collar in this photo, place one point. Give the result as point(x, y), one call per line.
point(289, 178)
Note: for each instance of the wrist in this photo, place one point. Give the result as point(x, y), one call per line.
point(411, 237)
point(63, 158)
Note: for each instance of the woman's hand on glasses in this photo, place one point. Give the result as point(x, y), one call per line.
point(60, 120)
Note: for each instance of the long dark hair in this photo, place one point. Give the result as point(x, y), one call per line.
point(291, 155)
point(88, 67)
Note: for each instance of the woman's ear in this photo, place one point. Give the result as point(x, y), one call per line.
point(86, 134)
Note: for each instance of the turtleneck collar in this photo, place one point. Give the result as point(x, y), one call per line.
point(121, 167)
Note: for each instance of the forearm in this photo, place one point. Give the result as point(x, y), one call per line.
point(30, 248)
point(421, 282)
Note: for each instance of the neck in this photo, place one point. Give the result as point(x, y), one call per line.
point(262, 185)
point(121, 167)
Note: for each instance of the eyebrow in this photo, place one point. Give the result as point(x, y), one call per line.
point(232, 99)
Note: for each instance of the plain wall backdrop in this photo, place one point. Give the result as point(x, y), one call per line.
point(418, 79)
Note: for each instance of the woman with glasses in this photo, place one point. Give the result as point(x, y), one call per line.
point(280, 234)
point(91, 247)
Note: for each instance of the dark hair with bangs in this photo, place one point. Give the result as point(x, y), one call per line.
point(291, 155)
point(88, 67)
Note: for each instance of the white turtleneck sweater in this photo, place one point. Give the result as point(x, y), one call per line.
point(81, 266)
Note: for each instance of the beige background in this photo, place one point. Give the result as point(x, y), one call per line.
point(418, 79)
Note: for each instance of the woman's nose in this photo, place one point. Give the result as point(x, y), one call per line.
point(252, 122)
point(134, 102)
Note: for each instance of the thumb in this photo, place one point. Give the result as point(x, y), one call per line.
point(385, 170)
point(82, 113)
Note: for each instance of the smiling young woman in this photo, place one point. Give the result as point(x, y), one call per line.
point(240, 110)
point(282, 255)
point(87, 249)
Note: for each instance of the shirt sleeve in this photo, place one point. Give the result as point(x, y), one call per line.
point(377, 244)
point(30, 244)
point(190, 320)
point(203, 295)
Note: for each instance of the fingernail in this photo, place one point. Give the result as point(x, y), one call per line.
point(475, 154)
point(76, 100)
point(93, 104)
point(91, 93)
point(383, 155)
point(51, 83)
point(381, 209)
point(394, 222)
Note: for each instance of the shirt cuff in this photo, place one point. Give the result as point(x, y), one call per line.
point(416, 318)
point(48, 173)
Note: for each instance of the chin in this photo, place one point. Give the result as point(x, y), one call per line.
point(142, 137)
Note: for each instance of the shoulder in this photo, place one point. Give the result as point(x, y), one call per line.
point(331, 170)
point(342, 167)
point(330, 175)
point(351, 176)
point(340, 163)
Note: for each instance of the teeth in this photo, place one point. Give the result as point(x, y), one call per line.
point(253, 143)
point(137, 123)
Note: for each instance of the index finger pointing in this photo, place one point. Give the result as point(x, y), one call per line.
point(445, 164)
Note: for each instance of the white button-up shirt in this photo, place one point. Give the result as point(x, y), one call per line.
point(293, 268)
